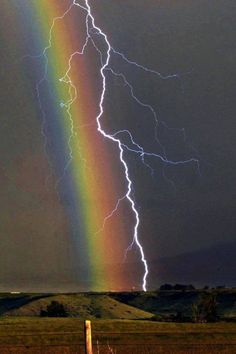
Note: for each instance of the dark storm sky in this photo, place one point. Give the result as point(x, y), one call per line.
point(196, 38)
point(192, 38)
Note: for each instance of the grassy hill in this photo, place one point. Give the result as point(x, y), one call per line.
point(167, 303)
point(89, 306)
point(120, 323)
point(124, 305)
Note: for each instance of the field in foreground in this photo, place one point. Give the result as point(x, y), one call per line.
point(65, 335)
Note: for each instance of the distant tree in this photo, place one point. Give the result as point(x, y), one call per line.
point(183, 287)
point(179, 287)
point(205, 309)
point(54, 309)
point(190, 287)
point(165, 287)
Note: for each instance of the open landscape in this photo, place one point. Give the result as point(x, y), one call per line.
point(121, 322)
point(117, 177)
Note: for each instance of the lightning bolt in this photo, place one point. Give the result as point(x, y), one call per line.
point(132, 145)
point(115, 139)
point(45, 79)
point(73, 95)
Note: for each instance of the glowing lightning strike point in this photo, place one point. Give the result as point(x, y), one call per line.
point(115, 139)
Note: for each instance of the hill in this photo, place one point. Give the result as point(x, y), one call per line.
point(167, 304)
point(89, 306)
point(162, 305)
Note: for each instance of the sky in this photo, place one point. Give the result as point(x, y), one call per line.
point(187, 211)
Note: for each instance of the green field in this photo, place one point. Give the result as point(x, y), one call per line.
point(65, 335)
point(121, 323)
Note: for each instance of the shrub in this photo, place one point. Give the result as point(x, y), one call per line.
point(54, 309)
point(205, 309)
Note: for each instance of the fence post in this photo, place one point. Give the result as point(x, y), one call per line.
point(88, 337)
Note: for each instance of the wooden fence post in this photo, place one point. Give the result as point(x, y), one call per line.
point(88, 337)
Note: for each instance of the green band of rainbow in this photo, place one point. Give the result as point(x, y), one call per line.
point(95, 185)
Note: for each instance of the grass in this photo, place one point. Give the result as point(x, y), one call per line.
point(135, 305)
point(65, 335)
point(84, 306)
point(115, 331)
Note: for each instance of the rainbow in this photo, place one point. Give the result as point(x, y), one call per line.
point(93, 179)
